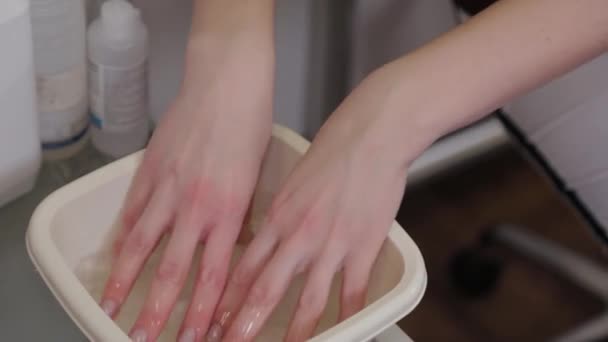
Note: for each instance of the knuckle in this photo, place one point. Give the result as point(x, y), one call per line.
point(356, 293)
point(129, 218)
point(277, 227)
point(170, 272)
point(218, 203)
point(212, 277)
point(231, 201)
point(240, 278)
point(272, 214)
point(295, 245)
point(173, 172)
point(303, 243)
point(197, 192)
point(261, 296)
point(311, 220)
point(138, 242)
point(300, 251)
point(151, 157)
point(311, 302)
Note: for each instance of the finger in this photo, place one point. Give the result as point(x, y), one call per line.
point(246, 234)
point(137, 247)
point(266, 292)
point(250, 265)
point(355, 282)
point(210, 282)
point(135, 202)
point(169, 278)
point(315, 293)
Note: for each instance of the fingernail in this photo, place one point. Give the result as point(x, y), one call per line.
point(139, 336)
point(215, 333)
point(109, 307)
point(187, 336)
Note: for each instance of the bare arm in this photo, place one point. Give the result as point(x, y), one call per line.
point(227, 32)
point(200, 168)
point(233, 16)
point(333, 212)
point(508, 49)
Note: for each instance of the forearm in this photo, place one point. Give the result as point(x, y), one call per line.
point(221, 19)
point(503, 52)
point(231, 36)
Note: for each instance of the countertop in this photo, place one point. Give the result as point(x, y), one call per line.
point(29, 310)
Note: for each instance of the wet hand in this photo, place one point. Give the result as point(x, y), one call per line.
point(194, 184)
point(332, 214)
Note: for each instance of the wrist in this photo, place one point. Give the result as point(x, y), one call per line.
point(228, 35)
point(243, 61)
point(389, 121)
point(410, 116)
point(233, 16)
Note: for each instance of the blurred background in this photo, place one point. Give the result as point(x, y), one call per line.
point(497, 293)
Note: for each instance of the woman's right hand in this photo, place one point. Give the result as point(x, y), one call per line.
point(195, 183)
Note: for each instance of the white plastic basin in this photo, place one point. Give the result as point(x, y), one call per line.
point(71, 230)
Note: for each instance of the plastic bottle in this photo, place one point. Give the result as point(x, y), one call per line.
point(19, 142)
point(118, 79)
point(59, 33)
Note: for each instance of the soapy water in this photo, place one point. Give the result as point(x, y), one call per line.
point(94, 270)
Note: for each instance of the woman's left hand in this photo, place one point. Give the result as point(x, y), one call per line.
point(333, 213)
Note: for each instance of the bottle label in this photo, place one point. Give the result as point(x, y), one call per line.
point(59, 127)
point(62, 104)
point(118, 96)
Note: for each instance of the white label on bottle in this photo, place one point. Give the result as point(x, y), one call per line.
point(62, 127)
point(118, 96)
point(62, 104)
